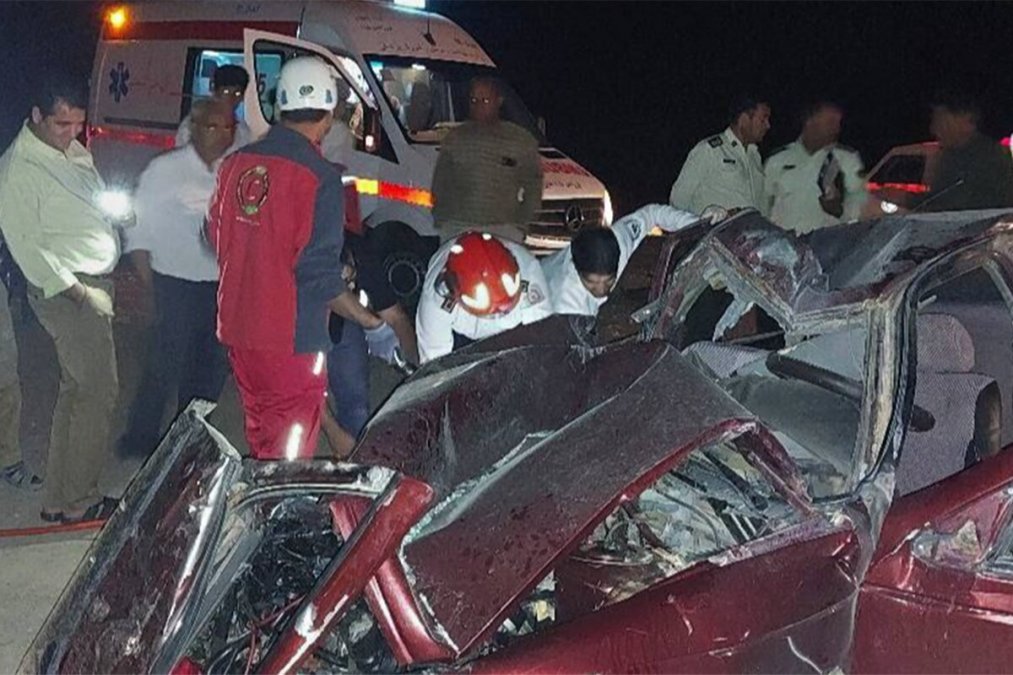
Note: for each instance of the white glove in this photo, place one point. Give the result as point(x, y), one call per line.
point(382, 342)
point(714, 214)
point(98, 300)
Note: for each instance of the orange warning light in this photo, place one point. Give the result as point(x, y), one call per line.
point(117, 18)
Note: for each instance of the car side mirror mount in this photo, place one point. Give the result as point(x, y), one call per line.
point(373, 131)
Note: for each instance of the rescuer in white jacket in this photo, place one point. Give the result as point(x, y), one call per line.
point(581, 276)
point(477, 286)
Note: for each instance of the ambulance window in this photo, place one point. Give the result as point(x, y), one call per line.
point(202, 64)
point(349, 131)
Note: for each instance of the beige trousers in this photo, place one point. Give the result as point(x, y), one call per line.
point(79, 442)
point(10, 388)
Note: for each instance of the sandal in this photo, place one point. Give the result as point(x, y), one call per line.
point(97, 511)
point(51, 516)
point(20, 477)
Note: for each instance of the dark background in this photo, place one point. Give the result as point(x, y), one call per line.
point(627, 88)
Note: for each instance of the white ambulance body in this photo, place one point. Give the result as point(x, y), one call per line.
point(407, 73)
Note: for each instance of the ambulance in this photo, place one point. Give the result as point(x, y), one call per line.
point(406, 72)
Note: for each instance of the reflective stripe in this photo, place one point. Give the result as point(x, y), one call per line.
point(394, 192)
point(163, 141)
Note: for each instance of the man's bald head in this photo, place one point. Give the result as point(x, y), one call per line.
point(212, 127)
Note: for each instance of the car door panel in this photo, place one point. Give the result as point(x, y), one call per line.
point(788, 610)
point(933, 601)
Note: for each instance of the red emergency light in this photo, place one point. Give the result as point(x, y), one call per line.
point(913, 188)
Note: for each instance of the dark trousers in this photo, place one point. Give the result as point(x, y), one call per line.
point(348, 378)
point(184, 356)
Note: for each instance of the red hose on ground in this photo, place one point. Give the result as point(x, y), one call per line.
point(51, 529)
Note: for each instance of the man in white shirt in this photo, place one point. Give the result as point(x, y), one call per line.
point(66, 246)
point(726, 169)
point(172, 259)
point(477, 286)
point(581, 276)
point(228, 83)
point(815, 181)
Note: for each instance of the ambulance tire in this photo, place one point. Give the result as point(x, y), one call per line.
point(406, 257)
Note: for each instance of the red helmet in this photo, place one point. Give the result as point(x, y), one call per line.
point(483, 275)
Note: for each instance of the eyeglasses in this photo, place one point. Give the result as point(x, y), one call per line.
point(484, 101)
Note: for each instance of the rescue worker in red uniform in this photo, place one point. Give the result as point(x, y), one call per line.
point(275, 221)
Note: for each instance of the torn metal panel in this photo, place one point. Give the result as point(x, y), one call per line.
point(451, 432)
point(733, 618)
point(168, 580)
point(508, 525)
point(128, 600)
point(347, 574)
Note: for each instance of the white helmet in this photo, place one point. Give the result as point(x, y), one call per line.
point(305, 83)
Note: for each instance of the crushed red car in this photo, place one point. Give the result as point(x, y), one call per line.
point(714, 495)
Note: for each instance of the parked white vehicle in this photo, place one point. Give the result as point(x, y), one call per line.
point(408, 73)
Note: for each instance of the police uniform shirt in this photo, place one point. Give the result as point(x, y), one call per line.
point(719, 170)
point(568, 293)
point(440, 319)
point(793, 185)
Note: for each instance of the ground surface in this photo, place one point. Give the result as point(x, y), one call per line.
point(34, 569)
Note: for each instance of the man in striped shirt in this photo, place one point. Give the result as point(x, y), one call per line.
point(489, 175)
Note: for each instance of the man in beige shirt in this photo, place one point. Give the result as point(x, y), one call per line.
point(488, 175)
point(50, 196)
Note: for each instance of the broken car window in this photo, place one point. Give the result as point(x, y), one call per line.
point(272, 553)
point(714, 501)
point(806, 386)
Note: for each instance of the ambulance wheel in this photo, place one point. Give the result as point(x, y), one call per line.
point(405, 256)
point(406, 270)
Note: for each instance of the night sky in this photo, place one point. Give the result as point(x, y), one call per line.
point(627, 88)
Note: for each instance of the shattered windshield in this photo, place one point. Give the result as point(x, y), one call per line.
point(430, 97)
point(715, 501)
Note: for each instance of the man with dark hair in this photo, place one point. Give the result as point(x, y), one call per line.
point(814, 182)
point(228, 83)
point(581, 276)
point(974, 172)
point(488, 175)
point(58, 233)
point(726, 170)
point(275, 222)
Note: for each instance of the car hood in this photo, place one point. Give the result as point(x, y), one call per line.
point(527, 448)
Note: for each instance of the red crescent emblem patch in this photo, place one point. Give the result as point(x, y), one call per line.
point(251, 191)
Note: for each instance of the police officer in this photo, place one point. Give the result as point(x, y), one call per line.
point(478, 285)
point(582, 275)
point(815, 181)
point(725, 170)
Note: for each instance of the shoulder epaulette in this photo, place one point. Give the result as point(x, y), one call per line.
point(715, 141)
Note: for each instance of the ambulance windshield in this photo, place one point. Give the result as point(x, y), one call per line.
point(430, 97)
